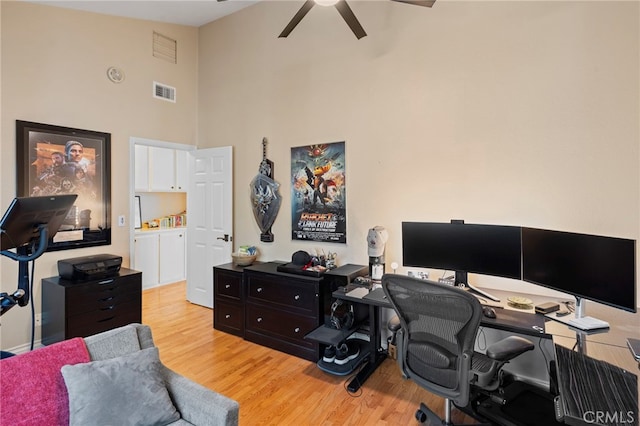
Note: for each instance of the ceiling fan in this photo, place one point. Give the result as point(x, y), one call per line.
point(344, 10)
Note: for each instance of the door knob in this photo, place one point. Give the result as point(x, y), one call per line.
point(225, 238)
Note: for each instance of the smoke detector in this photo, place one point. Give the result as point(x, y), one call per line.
point(116, 75)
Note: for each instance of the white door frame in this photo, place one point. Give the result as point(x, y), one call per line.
point(133, 140)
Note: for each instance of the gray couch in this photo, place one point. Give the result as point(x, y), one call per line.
point(196, 404)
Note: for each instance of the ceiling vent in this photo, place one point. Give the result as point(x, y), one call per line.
point(165, 48)
point(162, 91)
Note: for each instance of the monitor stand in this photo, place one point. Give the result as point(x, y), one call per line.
point(579, 321)
point(461, 280)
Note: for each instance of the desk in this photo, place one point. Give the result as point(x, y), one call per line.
point(374, 300)
point(609, 346)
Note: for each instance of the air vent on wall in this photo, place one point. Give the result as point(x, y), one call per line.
point(165, 48)
point(162, 91)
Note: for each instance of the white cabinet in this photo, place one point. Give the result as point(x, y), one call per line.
point(142, 168)
point(160, 169)
point(172, 256)
point(160, 256)
point(182, 170)
point(146, 260)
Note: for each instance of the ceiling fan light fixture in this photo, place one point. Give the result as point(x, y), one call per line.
point(326, 2)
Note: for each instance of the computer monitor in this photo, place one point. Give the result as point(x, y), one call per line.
point(27, 226)
point(598, 268)
point(19, 225)
point(483, 249)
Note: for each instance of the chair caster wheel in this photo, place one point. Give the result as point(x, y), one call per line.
point(421, 416)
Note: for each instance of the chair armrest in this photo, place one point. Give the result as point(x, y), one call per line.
point(509, 348)
point(199, 405)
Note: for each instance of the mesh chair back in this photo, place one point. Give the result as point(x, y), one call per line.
point(439, 324)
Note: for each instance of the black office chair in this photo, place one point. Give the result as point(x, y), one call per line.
point(435, 343)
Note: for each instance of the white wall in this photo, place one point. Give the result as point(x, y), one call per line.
point(516, 113)
point(54, 64)
point(521, 113)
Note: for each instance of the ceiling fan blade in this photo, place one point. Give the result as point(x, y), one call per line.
point(306, 7)
point(350, 19)
point(426, 3)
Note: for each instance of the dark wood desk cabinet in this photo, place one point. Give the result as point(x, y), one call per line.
point(228, 299)
point(282, 308)
point(272, 308)
point(82, 308)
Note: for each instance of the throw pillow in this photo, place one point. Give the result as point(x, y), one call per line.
point(127, 390)
point(32, 390)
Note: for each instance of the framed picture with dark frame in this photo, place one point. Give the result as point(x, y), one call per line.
point(54, 160)
point(138, 213)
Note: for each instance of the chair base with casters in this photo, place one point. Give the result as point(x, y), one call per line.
point(486, 382)
point(435, 345)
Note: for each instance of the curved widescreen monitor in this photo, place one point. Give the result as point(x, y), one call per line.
point(483, 249)
point(602, 269)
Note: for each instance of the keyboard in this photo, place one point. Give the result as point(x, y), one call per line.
point(587, 323)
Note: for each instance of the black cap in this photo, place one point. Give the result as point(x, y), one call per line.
point(300, 258)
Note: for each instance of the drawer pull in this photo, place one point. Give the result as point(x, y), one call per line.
point(297, 330)
point(227, 316)
point(106, 319)
point(105, 282)
point(296, 297)
point(108, 308)
point(106, 299)
point(227, 286)
point(260, 319)
point(259, 289)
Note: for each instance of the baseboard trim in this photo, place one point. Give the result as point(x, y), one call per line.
point(24, 348)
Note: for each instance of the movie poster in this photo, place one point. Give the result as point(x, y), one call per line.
point(318, 193)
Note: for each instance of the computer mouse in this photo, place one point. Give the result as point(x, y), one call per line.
point(488, 312)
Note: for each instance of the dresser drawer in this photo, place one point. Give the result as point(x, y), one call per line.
point(228, 284)
point(91, 323)
point(294, 296)
point(102, 294)
point(228, 317)
point(277, 323)
point(83, 308)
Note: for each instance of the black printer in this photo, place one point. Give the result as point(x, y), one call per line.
point(88, 267)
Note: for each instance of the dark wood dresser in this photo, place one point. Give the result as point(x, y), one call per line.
point(82, 308)
point(272, 308)
point(228, 299)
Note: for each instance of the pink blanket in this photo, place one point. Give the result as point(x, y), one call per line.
point(32, 389)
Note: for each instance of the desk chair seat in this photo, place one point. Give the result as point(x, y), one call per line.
point(438, 327)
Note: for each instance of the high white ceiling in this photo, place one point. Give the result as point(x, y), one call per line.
point(184, 12)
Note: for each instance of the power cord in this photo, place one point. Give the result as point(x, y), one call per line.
point(353, 376)
point(33, 309)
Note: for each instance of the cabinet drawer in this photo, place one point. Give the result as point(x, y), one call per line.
point(104, 319)
point(284, 325)
point(228, 284)
point(294, 296)
point(228, 317)
point(101, 301)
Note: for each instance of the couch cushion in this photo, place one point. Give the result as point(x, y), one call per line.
point(32, 390)
point(113, 343)
point(125, 390)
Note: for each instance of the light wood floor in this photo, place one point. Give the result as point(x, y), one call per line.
point(274, 388)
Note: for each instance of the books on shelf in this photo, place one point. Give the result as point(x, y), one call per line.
point(173, 221)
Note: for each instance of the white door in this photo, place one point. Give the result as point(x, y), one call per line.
point(210, 220)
